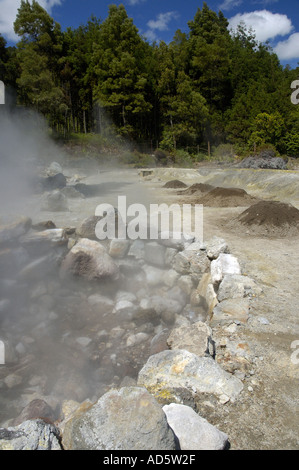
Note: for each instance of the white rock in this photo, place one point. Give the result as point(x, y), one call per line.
point(224, 264)
point(192, 431)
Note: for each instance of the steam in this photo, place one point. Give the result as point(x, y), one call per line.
point(24, 146)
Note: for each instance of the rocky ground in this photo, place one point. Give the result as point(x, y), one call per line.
point(266, 416)
point(76, 328)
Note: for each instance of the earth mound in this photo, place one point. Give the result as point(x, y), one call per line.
point(196, 188)
point(270, 218)
point(227, 197)
point(174, 184)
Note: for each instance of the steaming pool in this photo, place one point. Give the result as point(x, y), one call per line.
point(75, 336)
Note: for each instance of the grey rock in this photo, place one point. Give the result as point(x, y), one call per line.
point(89, 259)
point(195, 263)
point(12, 228)
point(230, 310)
point(192, 431)
point(137, 249)
point(55, 201)
point(215, 246)
point(234, 286)
point(125, 419)
point(30, 435)
point(119, 248)
point(196, 338)
point(155, 254)
point(87, 227)
point(54, 168)
point(174, 373)
point(177, 240)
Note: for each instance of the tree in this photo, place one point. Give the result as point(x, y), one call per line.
point(119, 68)
point(187, 114)
point(39, 51)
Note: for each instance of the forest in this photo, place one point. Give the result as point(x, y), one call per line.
point(208, 87)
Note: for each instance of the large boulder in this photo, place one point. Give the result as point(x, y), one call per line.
point(196, 338)
point(12, 229)
point(125, 419)
point(89, 259)
point(173, 376)
point(192, 431)
point(30, 435)
point(193, 262)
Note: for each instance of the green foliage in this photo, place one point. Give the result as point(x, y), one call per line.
point(206, 88)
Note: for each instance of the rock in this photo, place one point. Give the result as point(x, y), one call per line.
point(192, 431)
point(230, 310)
point(205, 296)
point(44, 225)
point(265, 160)
point(177, 240)
point(224, 264)
point(195, 263)
point(139, 338)
point(54, 168)
point(154, 276)
point(125, 309)
point(196, 338)
point(83, 341)
point(89, 259)
point(170, 376)
point(159, 342)
point(137, 249)
point(30, 435)
point(55, 201)
point(155, 254)
point(119, 248)
point(125, 419)
point(103, 303)
point(171, 277)
point(234, 286)
point(13, 380)
point(215, 247)
point(38, 243)
point(36, 409)
point(87, 227)
point(186, 284)
point(52, 182)
point(14, 228)
point(72, 193)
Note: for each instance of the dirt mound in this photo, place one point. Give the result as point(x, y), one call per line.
point(174, 184)
point(271, 218)
point(227, 197)
point(196, 188)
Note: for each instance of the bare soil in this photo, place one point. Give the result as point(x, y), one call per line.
point(226, 197)
point(266, 415)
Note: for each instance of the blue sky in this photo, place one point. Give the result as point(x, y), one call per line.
point(276, 21)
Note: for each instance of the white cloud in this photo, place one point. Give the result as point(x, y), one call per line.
point(229, 4)
point(135, 2)
point(288, 49)
point(8, 13)
point(267, 25)
point(161, 23)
